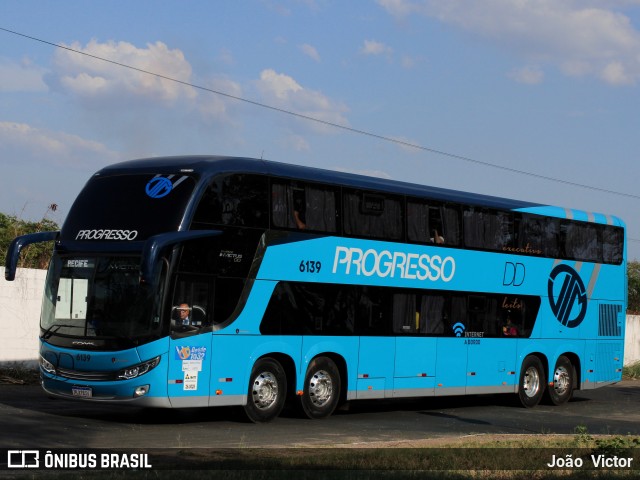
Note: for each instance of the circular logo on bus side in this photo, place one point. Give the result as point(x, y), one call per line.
point(158, 187)
point(567, 296)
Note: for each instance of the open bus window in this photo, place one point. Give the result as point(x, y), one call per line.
point(433, 223)
point(302, 206)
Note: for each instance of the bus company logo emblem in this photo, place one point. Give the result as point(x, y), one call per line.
point(459, 329)
point(570, 304)
point(158, 187)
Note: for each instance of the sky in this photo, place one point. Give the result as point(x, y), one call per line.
point(537, 100)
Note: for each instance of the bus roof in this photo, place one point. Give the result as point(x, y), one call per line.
point(209, 165)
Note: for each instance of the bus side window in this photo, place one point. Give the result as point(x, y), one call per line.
point(433, 223)
point(487, 229)
point(227, 295)
point(432, 314)
point(612, 243)
point(405, 317)
point(370, 214)
point(234, 199)
point(296, 205)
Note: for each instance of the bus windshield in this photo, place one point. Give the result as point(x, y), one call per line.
point(99, 297)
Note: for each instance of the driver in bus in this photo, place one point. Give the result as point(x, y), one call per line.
point(184, 310)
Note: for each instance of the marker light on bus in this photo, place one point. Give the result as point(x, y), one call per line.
point(137, 370)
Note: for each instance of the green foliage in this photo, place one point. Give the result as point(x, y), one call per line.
point(33, 256)
point(631, 372)
point(633, 270)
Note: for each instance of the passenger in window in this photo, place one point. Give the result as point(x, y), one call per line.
point(299, 208)
point(509, 329)
point(436, 237)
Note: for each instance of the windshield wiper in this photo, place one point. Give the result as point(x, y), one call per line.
point(49, 331)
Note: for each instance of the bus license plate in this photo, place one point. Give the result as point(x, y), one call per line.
point(84, 392)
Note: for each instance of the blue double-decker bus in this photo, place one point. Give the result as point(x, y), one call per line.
point(210, 281)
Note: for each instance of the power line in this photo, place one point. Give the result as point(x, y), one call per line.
point(332, 124)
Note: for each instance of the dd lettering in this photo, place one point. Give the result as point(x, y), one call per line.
point(514, 274)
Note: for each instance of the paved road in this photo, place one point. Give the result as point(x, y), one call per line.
point(29, 419)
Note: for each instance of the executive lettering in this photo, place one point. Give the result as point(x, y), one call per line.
point(388, 264)
point(106, 234)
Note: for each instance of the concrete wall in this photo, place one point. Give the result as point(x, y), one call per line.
point(20, 303)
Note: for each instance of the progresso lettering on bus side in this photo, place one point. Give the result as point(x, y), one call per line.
point(385, 264)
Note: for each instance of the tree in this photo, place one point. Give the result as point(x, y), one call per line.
point(33, 256)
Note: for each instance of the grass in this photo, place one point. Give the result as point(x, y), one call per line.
point(15, 373)
point(631, 372)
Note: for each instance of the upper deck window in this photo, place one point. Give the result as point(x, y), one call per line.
point(433, 222)
point(373, 215)
point(237, 199)
point(303, 206)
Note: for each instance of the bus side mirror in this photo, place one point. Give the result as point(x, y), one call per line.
point(16, 246)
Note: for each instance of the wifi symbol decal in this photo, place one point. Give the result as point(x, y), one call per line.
point(458, 329)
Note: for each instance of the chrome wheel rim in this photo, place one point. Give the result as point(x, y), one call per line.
point(531, 382)
point(320, 388)
point(561, 381)
point(265, 390)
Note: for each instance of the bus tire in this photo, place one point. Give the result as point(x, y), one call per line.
point(267, 391)
point(321, 392)
point(532, 382)
point(560, 388)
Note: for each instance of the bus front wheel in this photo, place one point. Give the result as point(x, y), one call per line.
point(561, 389)
point(532, 382)
point(321, 388)
point(267, 391)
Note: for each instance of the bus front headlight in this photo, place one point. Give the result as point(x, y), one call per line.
point(47, 366)
point(137, 370)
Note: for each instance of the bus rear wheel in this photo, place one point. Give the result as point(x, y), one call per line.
point(267, 391)
point(321, 388)
point(561, 387)
point(532, 382)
